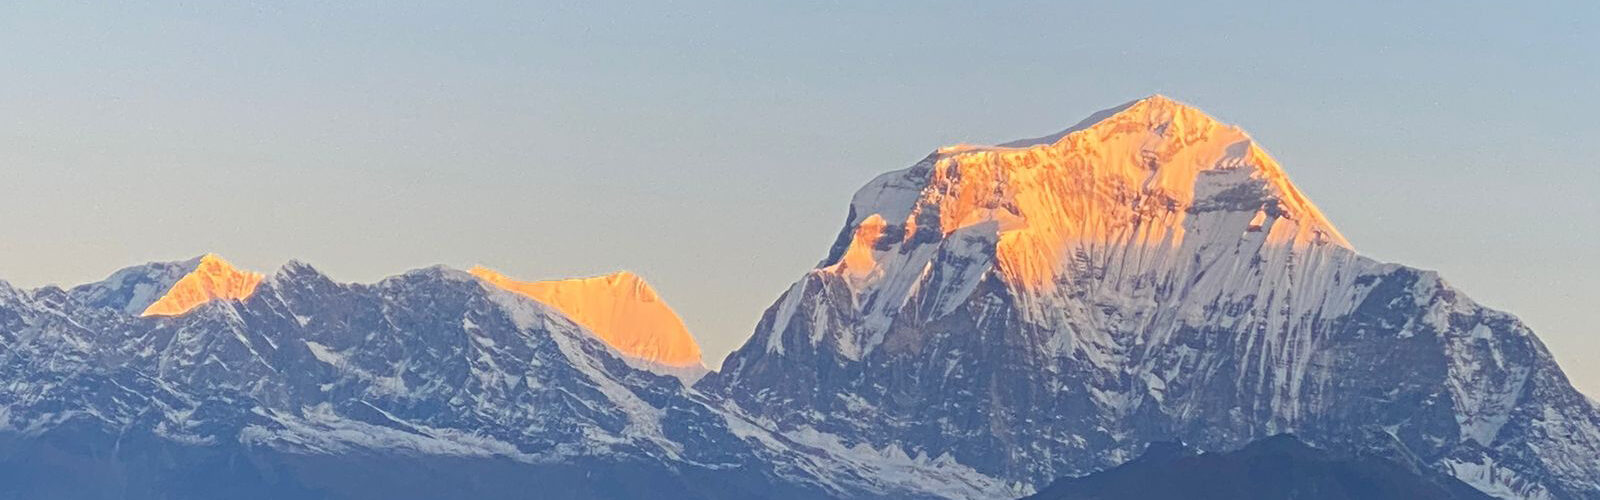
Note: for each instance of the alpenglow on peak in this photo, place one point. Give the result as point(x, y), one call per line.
point(620, 308)
point(1141, 173)
point(1045, 308)
point(211, 278)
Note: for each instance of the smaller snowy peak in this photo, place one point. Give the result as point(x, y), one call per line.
point(210, 278)
point(622, 310)
point(296, 267)
point(132, 290)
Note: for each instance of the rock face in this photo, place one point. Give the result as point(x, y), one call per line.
point(1049, 307)
point(430, 384)
point(1272, 468)
point(622, 310)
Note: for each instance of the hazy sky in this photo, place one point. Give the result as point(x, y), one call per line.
point(713, 147)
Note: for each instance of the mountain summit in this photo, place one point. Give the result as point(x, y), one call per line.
point(169, 288)
point(211, 279)
point(1047, 307)
point(624, 311)
point(1152, 173)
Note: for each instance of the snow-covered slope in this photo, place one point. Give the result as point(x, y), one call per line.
point(1047, 307)
point(132, 290)
point(622, 310)
point(433, 373)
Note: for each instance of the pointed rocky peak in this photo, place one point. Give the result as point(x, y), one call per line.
point(211, 278)
point(295, 267)
point(302, 277)
point(620, 308)
point(298, 270)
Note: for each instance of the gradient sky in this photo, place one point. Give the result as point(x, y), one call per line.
point(712, 147)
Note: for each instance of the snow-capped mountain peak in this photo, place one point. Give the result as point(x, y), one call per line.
point(211, 278)
point(1043, 307)
point(168, 288)
point(624, 311)
point(1149, 190)
point(1151, 173)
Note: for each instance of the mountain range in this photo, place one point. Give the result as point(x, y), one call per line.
point(988, 321)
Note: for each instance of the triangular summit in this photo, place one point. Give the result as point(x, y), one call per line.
point(620, 308)
point(211, 278)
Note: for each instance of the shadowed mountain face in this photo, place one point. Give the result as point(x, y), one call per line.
point(430, 374)
point(1275, 468)
point(1048, 309)
point(430, 384)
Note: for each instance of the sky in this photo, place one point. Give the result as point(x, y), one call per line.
point(712, 147)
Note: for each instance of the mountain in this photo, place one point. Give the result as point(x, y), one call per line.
point(624, 311)
point(136, 290)
point(212, 278)
point(1271, 468)
point(1048, 308)
point(430, 384)
point(988, 321)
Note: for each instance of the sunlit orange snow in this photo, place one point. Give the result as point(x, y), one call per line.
point(213, 279)
point(620, 308)
point(1130, 179)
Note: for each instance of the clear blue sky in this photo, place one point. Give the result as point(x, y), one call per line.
point(712, 146)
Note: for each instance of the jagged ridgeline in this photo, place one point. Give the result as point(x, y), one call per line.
point(195, 379)
point(988, 321)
